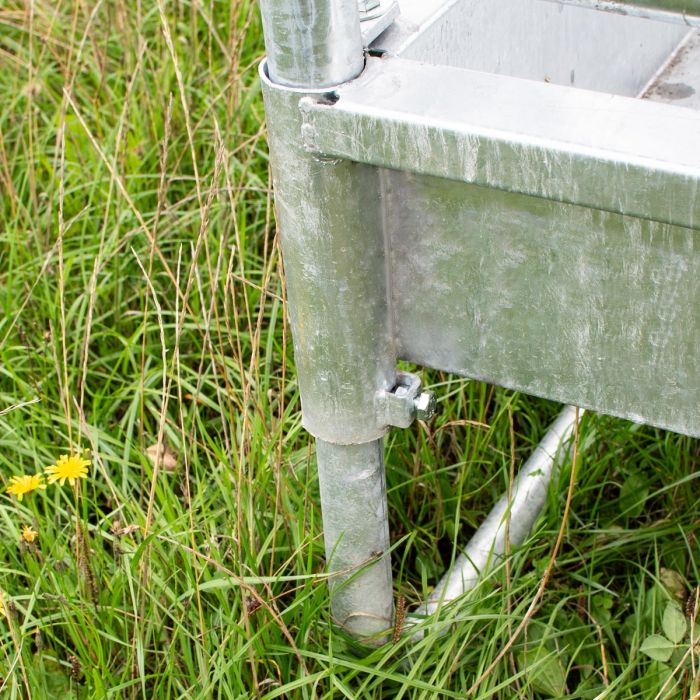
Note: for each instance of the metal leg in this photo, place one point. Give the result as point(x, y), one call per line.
point(356, 531)
point(330, 216)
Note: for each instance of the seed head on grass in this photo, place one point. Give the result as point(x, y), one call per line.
point(20, 486)
point(71, 468)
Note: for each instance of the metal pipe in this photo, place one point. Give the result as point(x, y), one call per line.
point(488, 544)
point(312, 43)
point(329, 213)
point(356, 534)
point(330, 218)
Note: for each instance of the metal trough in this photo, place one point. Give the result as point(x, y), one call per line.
point(482, 192)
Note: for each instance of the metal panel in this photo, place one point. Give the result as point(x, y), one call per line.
point(615, 153)
point(538, 40)
point(573, 304)
point(679, 81)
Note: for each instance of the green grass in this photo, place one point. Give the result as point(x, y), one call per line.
point(141, 299)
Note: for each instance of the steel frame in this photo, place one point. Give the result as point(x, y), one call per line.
point(560, 257)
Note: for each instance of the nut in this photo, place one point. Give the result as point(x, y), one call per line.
point(367, 5)
point(425, 404)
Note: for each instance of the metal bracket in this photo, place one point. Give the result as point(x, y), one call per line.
point(375, 17)
point(405, 402)
point(366, 6)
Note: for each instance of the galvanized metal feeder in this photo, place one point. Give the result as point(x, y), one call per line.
point(475, 186)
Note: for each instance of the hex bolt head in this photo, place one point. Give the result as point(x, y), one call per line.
point(425, 404)
point(367, 5)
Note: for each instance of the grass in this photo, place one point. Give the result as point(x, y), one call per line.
point(142, 304)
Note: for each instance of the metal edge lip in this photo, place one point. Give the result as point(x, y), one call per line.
point(264, 75)
point(637, 9)
point(484, 141)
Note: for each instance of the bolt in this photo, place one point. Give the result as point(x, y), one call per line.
point(425, 404)
point(367, 5)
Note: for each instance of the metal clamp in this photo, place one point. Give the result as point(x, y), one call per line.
point(375, 17)
point(405, 402)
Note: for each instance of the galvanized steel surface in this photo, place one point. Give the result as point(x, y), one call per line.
point(617, 297)
point(333, 245)
point(572, 304)
point(543, 41)
point(356, 533)
point(331, 224)
point(603, 151)
point(312, 43)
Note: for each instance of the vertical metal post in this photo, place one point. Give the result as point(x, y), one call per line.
point(312, 43)
point(330, 221)
point(356, 531)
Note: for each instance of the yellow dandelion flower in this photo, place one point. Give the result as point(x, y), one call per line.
point(28, 534)
point(21, 485)
point(3, 609)
point(71, 468)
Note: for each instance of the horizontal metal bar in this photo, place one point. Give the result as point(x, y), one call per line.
point(679, 11)
point(602, 151)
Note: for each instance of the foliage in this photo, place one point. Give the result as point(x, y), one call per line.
point(678, 645)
